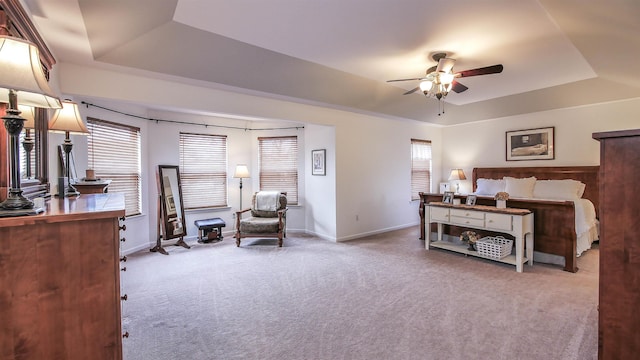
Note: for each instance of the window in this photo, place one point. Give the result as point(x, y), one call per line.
point(114, 153)
point(278, 161)
point(203, 170)
point(420, 167)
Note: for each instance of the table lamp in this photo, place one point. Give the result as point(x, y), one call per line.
point(457, 174)
point(68, 120)
point(20, 74)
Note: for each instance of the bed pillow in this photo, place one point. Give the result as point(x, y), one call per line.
point(519, 188)
point(489, 187)
point(558, 189)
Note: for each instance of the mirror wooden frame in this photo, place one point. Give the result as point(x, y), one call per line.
point(171, 219)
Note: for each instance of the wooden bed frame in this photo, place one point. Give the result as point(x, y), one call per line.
point(554, 231)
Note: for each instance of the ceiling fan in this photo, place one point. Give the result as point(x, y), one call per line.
point(440, 79)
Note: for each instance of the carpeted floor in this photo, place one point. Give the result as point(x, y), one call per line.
point(381, 297)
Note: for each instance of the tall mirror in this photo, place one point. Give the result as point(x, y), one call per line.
point(171, 209)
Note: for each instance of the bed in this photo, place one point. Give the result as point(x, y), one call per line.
point(563, 228)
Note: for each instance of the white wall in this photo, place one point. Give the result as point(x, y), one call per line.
point(368, 158)
point(482, 144)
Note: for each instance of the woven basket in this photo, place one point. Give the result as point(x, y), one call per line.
point(494, 247)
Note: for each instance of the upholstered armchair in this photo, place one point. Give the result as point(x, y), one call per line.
point(268, 217)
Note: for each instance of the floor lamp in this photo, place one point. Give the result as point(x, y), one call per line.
point(242, 172)
point(20, 74)
point(68, 120)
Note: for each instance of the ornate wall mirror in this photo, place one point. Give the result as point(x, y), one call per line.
point(171, 209)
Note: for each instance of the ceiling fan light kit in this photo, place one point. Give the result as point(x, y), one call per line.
point(440, 79)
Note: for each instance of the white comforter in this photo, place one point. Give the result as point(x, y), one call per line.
point(586, 225)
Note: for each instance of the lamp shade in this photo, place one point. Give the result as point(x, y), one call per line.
point(21, 71)
point(68, 119)
point(242, 171)
point(457, 174)
point(28, 113)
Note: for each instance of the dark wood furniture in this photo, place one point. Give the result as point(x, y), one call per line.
point(60, 281)
point(554, 231)
point(619, 319)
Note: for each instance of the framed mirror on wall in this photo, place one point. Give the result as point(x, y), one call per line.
point(171, 217)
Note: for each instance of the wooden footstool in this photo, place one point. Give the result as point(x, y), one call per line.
point(210, 230)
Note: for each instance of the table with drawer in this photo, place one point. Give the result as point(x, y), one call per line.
point(515, 222)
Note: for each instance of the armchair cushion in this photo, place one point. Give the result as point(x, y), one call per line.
point(260, 225)
point(282, 203)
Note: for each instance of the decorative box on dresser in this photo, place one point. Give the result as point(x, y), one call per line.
point(60, 280)
point(619, 292)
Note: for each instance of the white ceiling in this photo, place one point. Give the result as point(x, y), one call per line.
point(339, 53)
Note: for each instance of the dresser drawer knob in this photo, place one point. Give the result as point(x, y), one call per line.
point(123, 227)
point(123, 239)
point(124, 269)
point(123, 259)
point(125, 335)
point(123, 218)
point(123, 297)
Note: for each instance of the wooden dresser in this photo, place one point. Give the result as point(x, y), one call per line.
point(60, 281)
point(619, 318)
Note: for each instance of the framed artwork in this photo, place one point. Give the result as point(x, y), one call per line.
point(471, 200)
point(318, 162)
point(530, 144)
point(444, 186)
point(447, 198)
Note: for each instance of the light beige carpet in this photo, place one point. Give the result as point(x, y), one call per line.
point(382, 297)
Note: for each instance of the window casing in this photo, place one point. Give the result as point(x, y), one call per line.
point(203, 170)
point(278, 162)
point(420, 167)
point(114, 153)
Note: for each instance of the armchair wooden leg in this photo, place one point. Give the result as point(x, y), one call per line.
point(237, 239)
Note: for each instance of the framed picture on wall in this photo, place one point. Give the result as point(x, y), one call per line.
point(318, 162)
point(530, 144)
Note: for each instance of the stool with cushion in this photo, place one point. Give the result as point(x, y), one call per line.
point(268, 217)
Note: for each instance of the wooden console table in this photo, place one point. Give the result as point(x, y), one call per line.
point(516, 222)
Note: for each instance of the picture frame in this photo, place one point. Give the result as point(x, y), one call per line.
point(444, 186)
point(318, 162)
point(447, 198)
point(530, 144)
point(471, 200)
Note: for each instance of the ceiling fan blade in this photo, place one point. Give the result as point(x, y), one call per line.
point(457, 87)
point(445, 65)
point(493, 69)
point(412, 91)
point(405, 79)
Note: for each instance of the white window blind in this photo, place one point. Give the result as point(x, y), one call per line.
point(420, 167)
point(203, 170)
point(278, 161)
point(114, 153)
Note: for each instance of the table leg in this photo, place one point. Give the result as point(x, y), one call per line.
point(519, 253)
point(529, 240)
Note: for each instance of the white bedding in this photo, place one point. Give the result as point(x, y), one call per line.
point(586, 225)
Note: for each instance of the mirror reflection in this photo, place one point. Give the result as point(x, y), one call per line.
point(172, 215)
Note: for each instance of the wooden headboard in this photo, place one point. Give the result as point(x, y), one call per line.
point(589, 175)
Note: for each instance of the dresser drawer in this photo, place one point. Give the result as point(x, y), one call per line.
point(439, 214)
point(470, 214)
point(467, 221)
point(499, 221)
